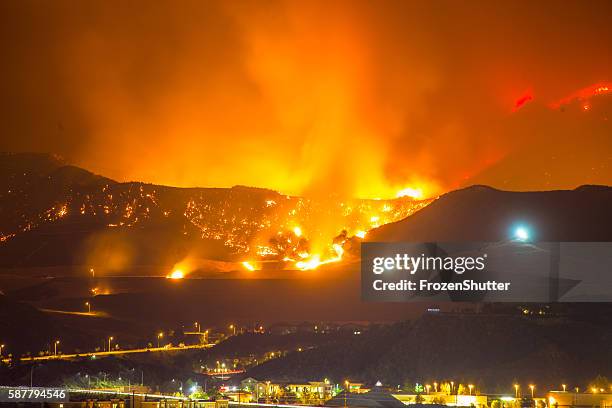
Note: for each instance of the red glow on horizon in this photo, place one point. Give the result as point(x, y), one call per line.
point(584, 95)
point(523, 100)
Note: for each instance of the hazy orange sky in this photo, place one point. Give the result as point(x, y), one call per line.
point(352, 97)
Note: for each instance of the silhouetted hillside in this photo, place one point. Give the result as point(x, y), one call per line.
point(25, 329)
point(55, 214)
point(489, 350)
point(482, 213)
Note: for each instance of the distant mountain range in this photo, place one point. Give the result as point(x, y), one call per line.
point(52, 213)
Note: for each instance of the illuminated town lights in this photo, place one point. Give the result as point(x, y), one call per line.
point(470, 386)
point(532, 388)
point(160, 335)
point(516, 390)
point(564, 387)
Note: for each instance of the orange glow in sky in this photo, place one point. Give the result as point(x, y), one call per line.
point(348, 98)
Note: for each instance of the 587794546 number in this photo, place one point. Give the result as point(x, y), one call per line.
point(32, 394)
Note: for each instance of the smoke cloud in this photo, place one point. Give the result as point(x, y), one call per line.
point(353, 98)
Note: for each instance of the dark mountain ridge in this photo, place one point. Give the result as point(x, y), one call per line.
point(481, 213)
point(492, 351)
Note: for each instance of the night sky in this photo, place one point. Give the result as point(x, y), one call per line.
point(358, 97)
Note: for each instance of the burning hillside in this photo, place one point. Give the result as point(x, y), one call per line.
point(256, 226)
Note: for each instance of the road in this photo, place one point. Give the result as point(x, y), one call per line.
point(112, 353)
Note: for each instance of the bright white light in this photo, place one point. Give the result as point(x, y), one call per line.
point(521, 234)
point(176, 274)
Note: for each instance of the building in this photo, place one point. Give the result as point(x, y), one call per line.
point(377, 397)
point(560, 399)
point(442, 398)
point(267, 391)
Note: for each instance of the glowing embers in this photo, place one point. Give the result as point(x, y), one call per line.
point(584, 96)
point(522, 101)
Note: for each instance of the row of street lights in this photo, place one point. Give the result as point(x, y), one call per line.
point(56, 343)
point(531, 387)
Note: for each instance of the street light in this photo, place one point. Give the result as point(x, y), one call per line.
point(233, 328)
point(435, 386)
point(531, 387)
point(516, 389)
point(452, 386)
point(470, 386)
point(109, 342)
point(197, 326)
point(563, 385)
point(1, 347)
point(88, 307)
point(428, 387)
point(159, 336)
point(346, 384)
point(55, 347)
point(521, 233)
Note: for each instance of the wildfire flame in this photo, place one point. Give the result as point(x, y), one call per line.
point(176, 274)
point(416, 193)
point(315, 261)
